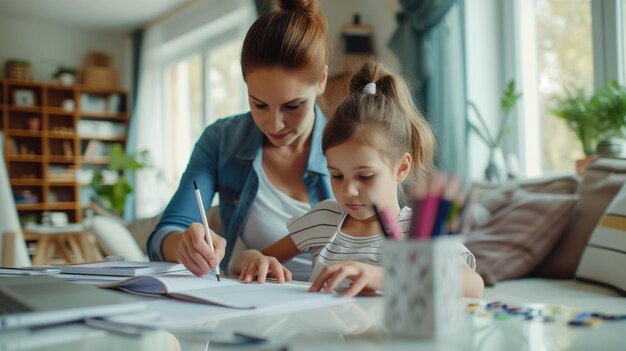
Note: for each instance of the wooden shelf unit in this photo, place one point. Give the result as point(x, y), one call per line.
point(43, 148)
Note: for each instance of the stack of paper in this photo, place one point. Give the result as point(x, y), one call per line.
point(123, 268)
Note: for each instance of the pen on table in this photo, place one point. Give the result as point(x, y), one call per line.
point(207, 231)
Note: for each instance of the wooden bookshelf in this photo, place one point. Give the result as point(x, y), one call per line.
point(48, 127)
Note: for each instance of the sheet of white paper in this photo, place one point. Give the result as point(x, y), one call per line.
point(277, 298)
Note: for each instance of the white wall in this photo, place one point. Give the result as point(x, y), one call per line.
point(379, 14)
point(40, 43)
point(485, 71)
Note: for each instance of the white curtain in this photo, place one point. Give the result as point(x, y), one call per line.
point(164, 42)
point(9, 221)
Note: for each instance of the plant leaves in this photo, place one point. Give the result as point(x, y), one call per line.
point(483, 131)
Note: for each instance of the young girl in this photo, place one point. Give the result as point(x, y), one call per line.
point(375, 141)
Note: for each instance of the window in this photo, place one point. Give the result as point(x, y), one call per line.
point(556, 39)
point(622, 21)
point(227, 92)
point(564, 45)
point(199, 89)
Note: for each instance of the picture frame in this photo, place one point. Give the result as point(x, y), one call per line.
point(23, 97)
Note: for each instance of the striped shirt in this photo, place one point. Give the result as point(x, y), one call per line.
point(319, 233)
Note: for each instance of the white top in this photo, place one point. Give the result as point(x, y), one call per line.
point(319, 233)
point(267, 221)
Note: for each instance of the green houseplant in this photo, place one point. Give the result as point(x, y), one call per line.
point(596, 120)
point(575, 109)
point(65, 75)
point(112, 191)
point(507, 101)
point(609, 104)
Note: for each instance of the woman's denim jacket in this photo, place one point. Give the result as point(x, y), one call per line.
point(221, 162)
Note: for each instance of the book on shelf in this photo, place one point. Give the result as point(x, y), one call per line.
point(12, 148)
point(93, 149)
point(100, 129)
point(67, 148)
point(113, 103)
point(92, 104)
point(122, 268)
point(61, 174)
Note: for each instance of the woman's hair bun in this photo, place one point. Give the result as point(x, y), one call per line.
point(309, 8)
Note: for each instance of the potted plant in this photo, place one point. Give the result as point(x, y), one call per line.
point(609, 105)
point(65, 75)
point(598, 121)
point(495, 170)
point(112, 185)
point(575, 109)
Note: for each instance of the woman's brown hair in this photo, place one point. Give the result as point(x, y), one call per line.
point(384, 117)
point(292, 37)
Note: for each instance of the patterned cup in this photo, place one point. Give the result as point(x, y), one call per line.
point(423, 296)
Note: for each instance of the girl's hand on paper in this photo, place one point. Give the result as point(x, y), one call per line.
point(255, 264)
point(194, 251)
point(364, 278)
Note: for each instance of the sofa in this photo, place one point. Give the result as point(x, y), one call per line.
point(528, 237)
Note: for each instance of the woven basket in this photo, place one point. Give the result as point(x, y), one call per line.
point(18, 70)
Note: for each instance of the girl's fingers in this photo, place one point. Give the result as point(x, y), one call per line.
point(339, 275)
point(287, 274)
point(321, 279)
point(249, 272)
point(278, 270)
point(356, 286)
point(262, 269)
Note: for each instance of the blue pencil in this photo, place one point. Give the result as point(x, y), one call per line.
point(441, 222)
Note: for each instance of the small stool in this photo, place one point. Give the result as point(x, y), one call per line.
point(72, 244)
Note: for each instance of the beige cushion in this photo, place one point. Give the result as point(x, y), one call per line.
point(602, 180)
point(115, 239)
point(606, 249)
point(493, 197)
point(518, 236)
point(141, 230)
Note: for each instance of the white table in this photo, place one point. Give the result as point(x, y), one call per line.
point(354, 326)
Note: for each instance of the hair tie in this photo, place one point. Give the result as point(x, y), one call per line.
point(370, 88)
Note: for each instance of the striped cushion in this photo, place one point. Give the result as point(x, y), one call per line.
point(604, 258)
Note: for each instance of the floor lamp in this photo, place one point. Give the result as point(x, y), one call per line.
point(12, 246)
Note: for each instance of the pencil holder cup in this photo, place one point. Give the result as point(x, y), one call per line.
point(423, 297)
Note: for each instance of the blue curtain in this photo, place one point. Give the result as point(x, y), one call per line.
point(263, 6)
point(131, 144)
point(429, 43)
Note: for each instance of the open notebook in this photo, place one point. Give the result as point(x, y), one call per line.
point(226, 293)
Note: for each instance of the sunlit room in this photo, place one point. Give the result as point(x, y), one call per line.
point(297, 174)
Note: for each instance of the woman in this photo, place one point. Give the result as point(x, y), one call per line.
point(267, 165)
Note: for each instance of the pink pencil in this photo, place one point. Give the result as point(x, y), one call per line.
point(428, 211)
point(394, 228)
point(416, 198)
